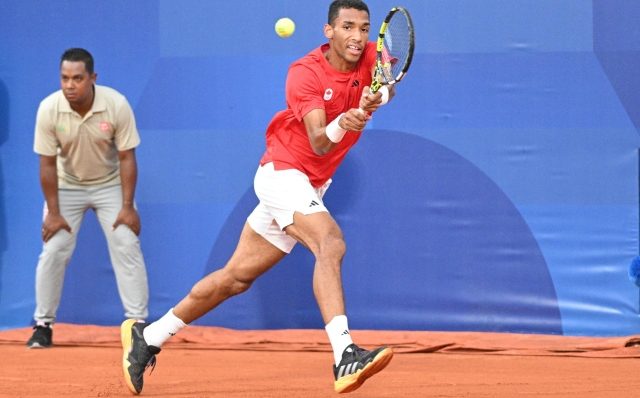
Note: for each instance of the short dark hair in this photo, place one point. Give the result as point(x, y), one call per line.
point(79, 55)
point(337, 5)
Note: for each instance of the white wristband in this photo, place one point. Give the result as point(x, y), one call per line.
point(385, 94)
point(334, 131)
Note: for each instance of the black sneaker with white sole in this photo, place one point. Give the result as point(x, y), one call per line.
point(42, 336)
point(137, 355)
point(357, 365)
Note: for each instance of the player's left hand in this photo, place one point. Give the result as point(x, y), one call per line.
point(129, 217)
point(371, 102)
point(354, 120)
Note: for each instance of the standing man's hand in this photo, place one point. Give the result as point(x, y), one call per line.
point(129, 175)
point(53, 220)
point(52, 224)
point(129, 217)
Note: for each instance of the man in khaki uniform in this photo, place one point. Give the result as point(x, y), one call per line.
point(86, 137)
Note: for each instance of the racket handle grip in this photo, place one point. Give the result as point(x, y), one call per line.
point(362, 110)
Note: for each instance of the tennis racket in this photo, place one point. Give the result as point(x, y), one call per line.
point(396, 42)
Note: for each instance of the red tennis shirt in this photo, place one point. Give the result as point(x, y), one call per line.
point(312, 83)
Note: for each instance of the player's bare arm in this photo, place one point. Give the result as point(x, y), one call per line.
point(128, 174)
point(316, 125)
point(53, 222)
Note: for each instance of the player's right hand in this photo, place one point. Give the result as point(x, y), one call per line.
point(52, 224)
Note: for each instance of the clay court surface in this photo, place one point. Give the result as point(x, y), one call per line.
point(215, 362)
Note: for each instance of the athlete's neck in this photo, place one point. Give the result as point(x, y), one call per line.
point(338, 62)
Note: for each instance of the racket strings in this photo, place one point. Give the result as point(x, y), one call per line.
point(396, 47)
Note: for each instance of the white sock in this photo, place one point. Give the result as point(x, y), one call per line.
point(159, 331)
point(338, 331)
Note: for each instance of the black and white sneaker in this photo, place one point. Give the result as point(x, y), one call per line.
point(357, 365)
point(137, 355)
point(41, 338)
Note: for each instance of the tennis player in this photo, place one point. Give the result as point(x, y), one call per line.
point(328, 106)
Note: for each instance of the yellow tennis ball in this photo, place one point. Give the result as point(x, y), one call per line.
point(285, 27)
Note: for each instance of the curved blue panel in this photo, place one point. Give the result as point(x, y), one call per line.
point(432, 244)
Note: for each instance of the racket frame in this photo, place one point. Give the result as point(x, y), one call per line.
point(379, 77)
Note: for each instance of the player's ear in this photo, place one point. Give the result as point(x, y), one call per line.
point(328, 31)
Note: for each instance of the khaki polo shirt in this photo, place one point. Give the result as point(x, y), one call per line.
point(87, 148)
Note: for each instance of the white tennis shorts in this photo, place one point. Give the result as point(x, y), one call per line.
point(282, 193)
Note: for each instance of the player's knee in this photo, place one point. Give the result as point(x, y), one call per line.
point(333, 247)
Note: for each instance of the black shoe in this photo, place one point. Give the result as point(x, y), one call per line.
point(357, 365)
point(41, 337)
point(138, 356)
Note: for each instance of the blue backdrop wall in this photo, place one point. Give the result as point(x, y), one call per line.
point(497, 192)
